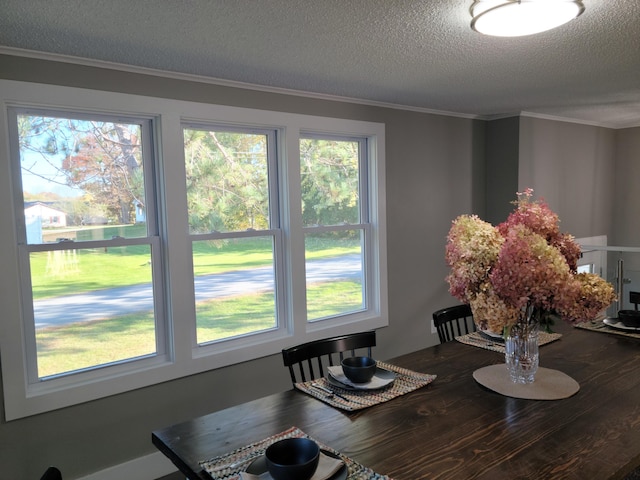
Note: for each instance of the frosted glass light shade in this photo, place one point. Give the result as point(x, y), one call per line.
point(515, 18)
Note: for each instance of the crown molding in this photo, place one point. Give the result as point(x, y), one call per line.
point(556, 118)
point(88, 62)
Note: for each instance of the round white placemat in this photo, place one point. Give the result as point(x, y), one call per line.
point(548, 385)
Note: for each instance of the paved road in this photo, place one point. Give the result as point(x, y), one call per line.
point(138, 298)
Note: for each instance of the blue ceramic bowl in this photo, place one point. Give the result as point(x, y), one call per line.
point(292, 459)
point(359, 369)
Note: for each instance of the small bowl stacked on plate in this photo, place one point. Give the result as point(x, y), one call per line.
point(359, 369)
point(292, 459)
point(629, 318)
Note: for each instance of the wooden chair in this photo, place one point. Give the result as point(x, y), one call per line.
point(52, 473)
point(453, 322)
point(634, 297)
point(321, 353)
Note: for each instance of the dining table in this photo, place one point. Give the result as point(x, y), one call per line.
point(454, 427)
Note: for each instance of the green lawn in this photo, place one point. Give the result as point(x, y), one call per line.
point(63, 273)
point(86, 344)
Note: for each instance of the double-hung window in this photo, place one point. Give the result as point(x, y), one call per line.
point(335, 218)
point(234, 227)
point(88, 247)
point(147, 239)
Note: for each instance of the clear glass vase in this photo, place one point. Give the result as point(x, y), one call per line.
point(521, 347)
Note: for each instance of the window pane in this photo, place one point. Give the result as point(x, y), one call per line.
point(227, 181)
point(78, 176)
point(82, 180)
point(234, 287)
point(334, 265)
point(329, 182)
point(92, 307)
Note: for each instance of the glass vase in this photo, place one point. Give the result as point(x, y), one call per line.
point(521, 347)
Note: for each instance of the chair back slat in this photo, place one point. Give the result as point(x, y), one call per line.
point(453, 322)
point(313, 357)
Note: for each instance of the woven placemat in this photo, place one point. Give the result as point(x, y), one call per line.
point(477, 340)
point(548, 385)
point(229, 466)
point(349, 399)
point(599, 326)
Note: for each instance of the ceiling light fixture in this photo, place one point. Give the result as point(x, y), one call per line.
point(515, 18)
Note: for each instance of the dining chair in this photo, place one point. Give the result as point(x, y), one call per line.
point(634, 297)
point(453, 322)
point(52, 473)
point(323, 353)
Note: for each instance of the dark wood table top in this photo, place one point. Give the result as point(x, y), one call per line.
point(454, 428)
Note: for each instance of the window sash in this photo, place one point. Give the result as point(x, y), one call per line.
point(274, 231)
point(364, 225)
point(279, 280)
point(272, 137)
point(25, 249)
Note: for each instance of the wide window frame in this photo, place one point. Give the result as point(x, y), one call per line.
point(182, 356)
point(152, 240)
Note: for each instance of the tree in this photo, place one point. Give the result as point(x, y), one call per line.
point(227, 182)
point(329, 181)
point(101, 159)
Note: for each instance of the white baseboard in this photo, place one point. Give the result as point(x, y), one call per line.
point(149, 467)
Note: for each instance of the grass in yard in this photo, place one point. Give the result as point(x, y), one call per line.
point(87, 344)
point(98, 342)
point(233, 316)
point(333, 298)
point(76, 271)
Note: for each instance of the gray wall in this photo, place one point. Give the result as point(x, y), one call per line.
point(572, 167)
point(436, 170)
point(502, 158)
point(626, 216)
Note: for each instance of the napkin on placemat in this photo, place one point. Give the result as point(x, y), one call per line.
point(351, 399)
point(327, 466)
point(232, 466)
point(476, 340)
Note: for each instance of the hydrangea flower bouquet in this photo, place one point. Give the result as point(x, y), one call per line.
point(523, 262)
point(519, 273)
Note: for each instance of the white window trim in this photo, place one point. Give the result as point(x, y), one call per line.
point(182, 359)
point(152, 240)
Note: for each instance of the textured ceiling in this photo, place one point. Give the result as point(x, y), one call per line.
point(415, 53)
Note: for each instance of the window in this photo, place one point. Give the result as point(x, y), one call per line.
point(150, 239)
point(88, 297)
point(335, 217)
point(234, 230)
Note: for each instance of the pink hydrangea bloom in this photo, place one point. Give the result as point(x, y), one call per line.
point(535, 215)
point(472, 248)
point(530, 271)
point(593, 295)
point(524, 261)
